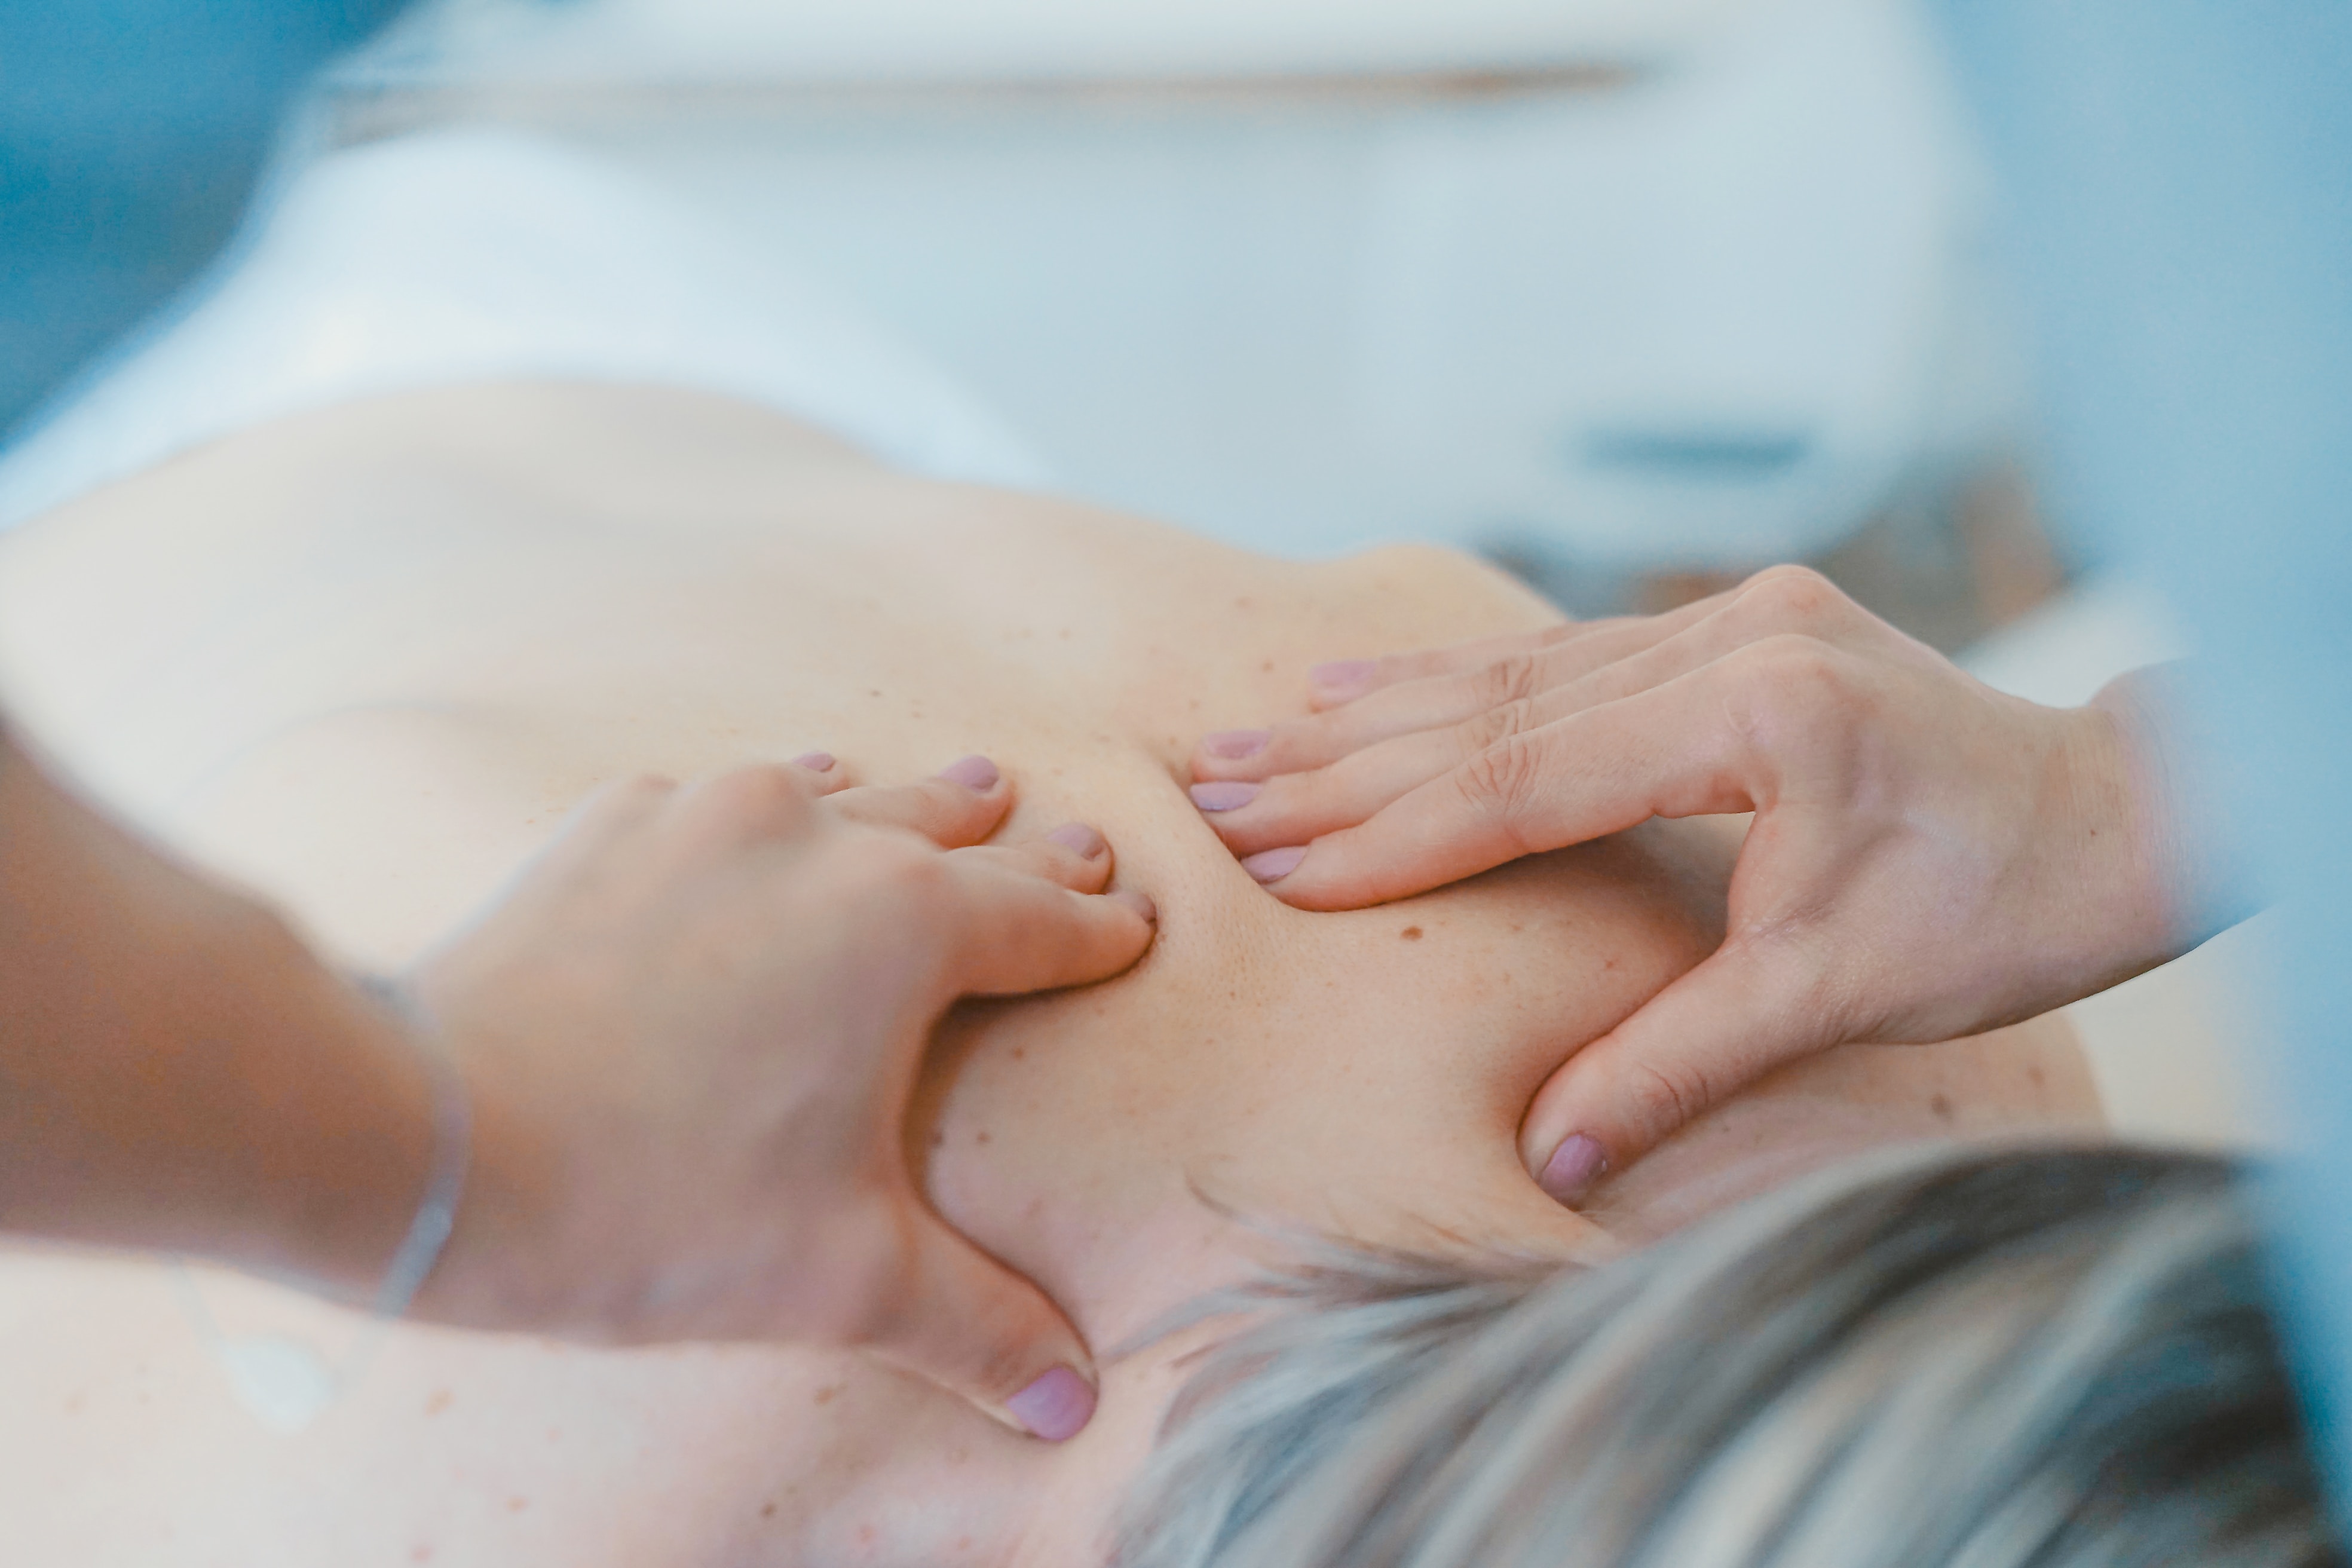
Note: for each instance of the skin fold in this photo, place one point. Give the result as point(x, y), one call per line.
point(366, 660)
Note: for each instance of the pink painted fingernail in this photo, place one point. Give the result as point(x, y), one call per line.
point(1140, 903)
point(1273, 865)
point(1226, 796)
point(816, 762)
point(1573, 1167)
point(1344, 677)
point(1056, 1408)
point(1235, 744)
point(973, 773)
point(1079, 840)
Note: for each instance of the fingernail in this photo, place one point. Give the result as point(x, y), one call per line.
point(1224, 796)
point(1056, 1408)
point(973, 773)
point(1344, 677)
point(1139, 902)
point(1079, 840)
point(816, 762)
point(1573, 1167)
point(1235, 744)
point(1273, 864)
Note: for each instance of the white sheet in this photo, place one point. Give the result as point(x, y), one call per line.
point(460, 256)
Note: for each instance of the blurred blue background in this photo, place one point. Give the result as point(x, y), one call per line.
point(2180, 177)
point(131, 135)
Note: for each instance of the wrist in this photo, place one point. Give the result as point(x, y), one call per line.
point(2113, 872)
point(492, 1272)
point(338, 1199)
point(2178, 820)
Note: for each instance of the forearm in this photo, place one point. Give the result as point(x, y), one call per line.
point(177, 1071)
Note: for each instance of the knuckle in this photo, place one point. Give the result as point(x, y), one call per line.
point(1793, 689)
point(1504, 784)
point(1003, 1365)
point(1669, 1095)
point(1791, 661)
point(924, 884)
point(879, 873)
point(761, 799)
point(1491, 726)
point(898, 866)
point(1511, 679)
point(1792, 596)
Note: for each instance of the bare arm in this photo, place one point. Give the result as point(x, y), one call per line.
point(179, 1071)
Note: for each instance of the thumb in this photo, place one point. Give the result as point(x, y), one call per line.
point(1704, 1038)
point(977, 1328)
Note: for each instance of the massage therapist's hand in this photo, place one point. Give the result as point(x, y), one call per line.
point(691, 1033)
point(1928, 857)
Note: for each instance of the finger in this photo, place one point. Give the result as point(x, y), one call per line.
point(962, 804)
point(1346, 680)
point(977, 1328)
point(1020, 932)
point(1435, 702)
point(1074, 856)
point(1299, 806)
point(1296, 808)
point(767, 800)
point(1299, 745)
point(1747, 1010)
point(1674, 751)
point(1776, 599)
point(831, 777)
point(1749, 624)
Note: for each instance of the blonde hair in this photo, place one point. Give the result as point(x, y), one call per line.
point(2058, 1359)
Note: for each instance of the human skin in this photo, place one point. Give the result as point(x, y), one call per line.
point(1928, 856)
point(683, 1041)
point(365, 660)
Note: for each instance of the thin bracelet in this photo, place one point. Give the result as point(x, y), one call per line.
point(285, 1381)
point(453, 1147)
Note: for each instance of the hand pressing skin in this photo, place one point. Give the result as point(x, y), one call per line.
point(690, 1032)
point(687, 1033)
point(1927, 857)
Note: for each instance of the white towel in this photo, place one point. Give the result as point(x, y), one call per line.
point(462, 256)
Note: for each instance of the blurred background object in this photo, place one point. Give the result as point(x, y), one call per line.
point(2180, 177)
point(131, 134)
point(1632, 297)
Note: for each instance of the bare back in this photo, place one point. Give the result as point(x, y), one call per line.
point(366, 659)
